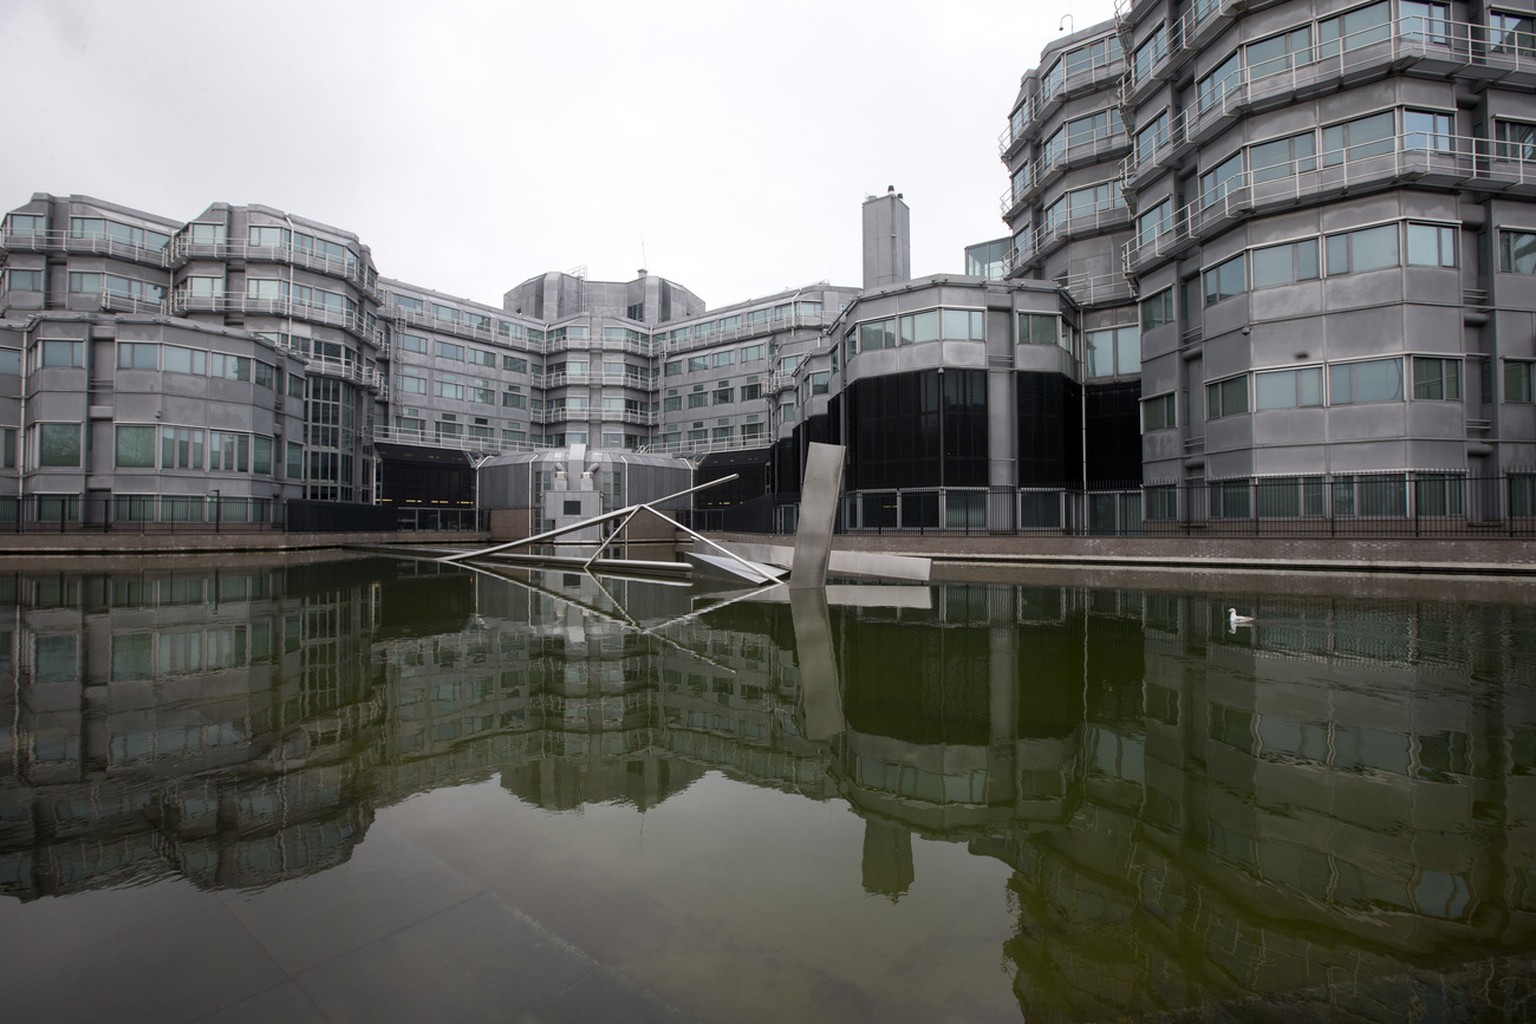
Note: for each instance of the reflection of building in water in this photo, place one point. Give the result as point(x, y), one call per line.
point(1341, 791)
point(191, 722)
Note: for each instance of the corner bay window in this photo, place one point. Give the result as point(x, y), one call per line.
point(1226, 397)
point(1436, 378)
point(1375, 380)
point(1159, 413)
point(1226, 280)
point(1288, 389)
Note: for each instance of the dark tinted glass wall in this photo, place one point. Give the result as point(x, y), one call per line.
point(1050, 430)
point(1114, 433)
point(923, 429)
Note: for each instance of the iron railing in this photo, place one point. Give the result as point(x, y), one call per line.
point(1382, 505)
point(203, 514)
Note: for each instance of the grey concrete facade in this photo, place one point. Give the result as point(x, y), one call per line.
point(1321, 210)
point(1265, 260)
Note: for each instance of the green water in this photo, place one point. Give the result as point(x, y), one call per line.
point(378, 789)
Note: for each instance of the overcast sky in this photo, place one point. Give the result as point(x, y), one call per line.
point(726, 146)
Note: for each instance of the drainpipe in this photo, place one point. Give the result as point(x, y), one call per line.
point(21, 426)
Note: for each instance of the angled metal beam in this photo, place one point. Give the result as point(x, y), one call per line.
point(595, 520)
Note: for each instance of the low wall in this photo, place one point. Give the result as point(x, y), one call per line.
point(123, 543)
point(1501, 556)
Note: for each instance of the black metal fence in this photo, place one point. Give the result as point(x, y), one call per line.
point(1377, 505)
point(167, 515)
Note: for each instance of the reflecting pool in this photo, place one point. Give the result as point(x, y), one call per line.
point(391, 789)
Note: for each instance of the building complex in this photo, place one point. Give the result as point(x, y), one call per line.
point(1264, 259)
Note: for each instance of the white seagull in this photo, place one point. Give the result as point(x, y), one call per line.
point(1234, 620)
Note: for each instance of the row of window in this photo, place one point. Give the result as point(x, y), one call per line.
point(461, 353)
point(467, 318)
point(699, 433)
point(1372, 380)
point(116, 231)
point(1342, 496)
point(152, 446)
point(144, 355)
point(275, 290)
point(1092, 57)
point(726, 357)
point(916, 328)
point(784, 313)
point(721, 394)
point(1507, 32)
point(265, 236)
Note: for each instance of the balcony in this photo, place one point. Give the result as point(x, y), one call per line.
point(184, 250)
point(1099, 146)
point(1096, 219)
point(1092, 291)
point(350, 320)
point(750, 330)
point(1423, 158)
point(90, 245)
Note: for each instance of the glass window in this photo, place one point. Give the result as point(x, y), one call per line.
point(17, 280)
point(1215, 87)
point(1376, 380)
point(1114, 351)
point(55, 352)
point(1288, 389)
point(877, 334)
point(963, 325)
point(1227, 397)
point(1367, 249)
point(87, 227)
point(58, 444)
point(1098, 125)
point(84, 283)
point(1517, 381)
point(266, 236)
point(1159, 413)
point(1285, 264)
point(185, 360)
point(1511, 33)
point(1279, 54)
point(919, 327)
point(1154, 223)
point(1226, 280)
point(1428, 131)
point(1517, 252)
point(1363, 137)
point(138, 355)
point(1516, 140)
point(1431, 245)
point(1352, 29)
point(181, 448)
point(1220, 180)
point(1435, 377)
point(1283, 158)
point(1039, 328)
point(25, 225)
point(135, 447)
point(1152, 138)
point(1425, 22)
point(1149, 53)
point(261, 456)
point(1157, 310)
